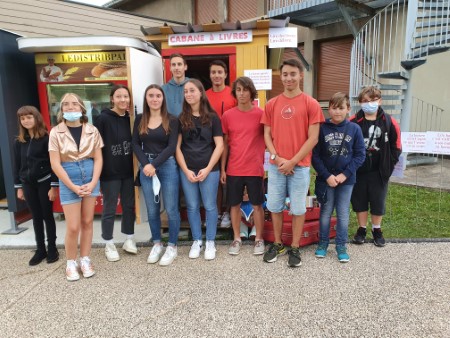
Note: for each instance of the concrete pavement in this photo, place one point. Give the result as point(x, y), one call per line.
point(401, 290)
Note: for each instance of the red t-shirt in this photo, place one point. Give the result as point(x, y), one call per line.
point(221, 101)
point(245, 141)
point(289, 120)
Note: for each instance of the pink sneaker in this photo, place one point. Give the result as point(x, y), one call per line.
point(72, 271)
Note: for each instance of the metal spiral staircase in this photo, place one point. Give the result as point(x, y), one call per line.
point(396, 40)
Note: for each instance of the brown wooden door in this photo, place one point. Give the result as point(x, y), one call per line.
point(333, 67)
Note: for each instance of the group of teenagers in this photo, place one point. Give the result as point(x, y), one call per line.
point(196, 140)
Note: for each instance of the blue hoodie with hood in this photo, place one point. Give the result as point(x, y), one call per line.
point(174, 93)
point(353, 151)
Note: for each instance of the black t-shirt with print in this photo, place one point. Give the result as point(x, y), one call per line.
point(198, 143)
point(373, 154)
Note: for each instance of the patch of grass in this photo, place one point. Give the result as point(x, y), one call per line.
point(411, 212)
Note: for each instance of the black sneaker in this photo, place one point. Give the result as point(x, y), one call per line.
point(378, 238)
point(52, 256)
point(294, 258)
point(360, 236)
point(274, 250)
point(38, 257)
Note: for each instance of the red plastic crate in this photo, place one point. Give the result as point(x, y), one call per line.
point(310, 233)
point(311, 214)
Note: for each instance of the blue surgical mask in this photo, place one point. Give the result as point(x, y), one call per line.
point(72, 116)
point(370, 107)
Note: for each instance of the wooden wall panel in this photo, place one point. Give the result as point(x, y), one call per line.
point(40, 18)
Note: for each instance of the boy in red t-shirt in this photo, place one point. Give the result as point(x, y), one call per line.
point(291, 130)
point(244, 149)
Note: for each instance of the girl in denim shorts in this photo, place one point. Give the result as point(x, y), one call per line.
point(76, 158)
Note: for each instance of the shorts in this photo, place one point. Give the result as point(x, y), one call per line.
point(79, 173)
point(294, 186)
point(235, 189)
point(369, 190)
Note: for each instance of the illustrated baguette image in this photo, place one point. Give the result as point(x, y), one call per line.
point(114, 69)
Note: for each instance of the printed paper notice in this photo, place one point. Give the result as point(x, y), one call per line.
point(438, 142)
point(262, 78)
point(283, 37)
point(414, 142)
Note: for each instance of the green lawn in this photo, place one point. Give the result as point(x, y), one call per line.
point(413, 212)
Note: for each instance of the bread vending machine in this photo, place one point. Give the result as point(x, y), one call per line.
point(90, 66)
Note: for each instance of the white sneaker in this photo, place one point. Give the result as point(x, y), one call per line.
point(196, 248)
point(210, 250)
point(86, 267)
point(111, 252)
point(155, 254)
point(130, 246)
point(169, 255)
point(72, 271)
point(259, 247)
point(226, 221)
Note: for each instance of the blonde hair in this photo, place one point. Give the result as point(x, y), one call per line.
point(83, 119)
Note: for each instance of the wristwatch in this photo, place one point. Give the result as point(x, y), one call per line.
point(273, 157)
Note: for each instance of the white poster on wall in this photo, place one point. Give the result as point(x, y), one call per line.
point(262, 78)
point(283, 37)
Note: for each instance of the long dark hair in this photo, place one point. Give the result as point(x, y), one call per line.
point(143, 125)
point(39, 129)
point(205, 110)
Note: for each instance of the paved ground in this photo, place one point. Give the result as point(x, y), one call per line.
point(401, 290)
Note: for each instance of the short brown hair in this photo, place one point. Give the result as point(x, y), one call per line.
point(247, 84)
point(177, 55)
point(338, 100)
point(219, 63)
point(371, 91)
point(292, 62)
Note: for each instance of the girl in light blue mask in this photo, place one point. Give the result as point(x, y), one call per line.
point(76, 158)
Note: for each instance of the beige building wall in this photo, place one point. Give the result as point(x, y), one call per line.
point(184, 10)
point(432, 85)
point(177, 10)
point(46, 18)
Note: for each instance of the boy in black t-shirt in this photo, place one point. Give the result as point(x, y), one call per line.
point(383, 148)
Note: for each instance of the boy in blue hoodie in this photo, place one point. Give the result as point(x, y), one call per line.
point(174, 89)
point(339, 152)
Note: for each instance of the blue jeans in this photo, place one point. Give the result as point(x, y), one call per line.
point(338, 198)
point(205, 192)
point(281, 186)
point(170, 183)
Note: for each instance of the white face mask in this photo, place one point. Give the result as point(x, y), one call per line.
point(370, 107)
point(156, 188)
